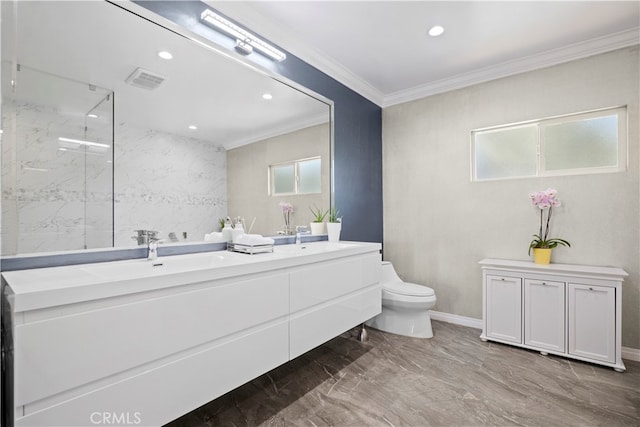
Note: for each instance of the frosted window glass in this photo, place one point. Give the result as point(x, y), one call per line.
point(284, 179)
point(310, 176)
point(581, 144)
point(509, 152)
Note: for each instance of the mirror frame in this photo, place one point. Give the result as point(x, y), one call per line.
point(106, 254)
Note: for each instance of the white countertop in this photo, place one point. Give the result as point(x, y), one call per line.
point(54, 286)
point(567, 269)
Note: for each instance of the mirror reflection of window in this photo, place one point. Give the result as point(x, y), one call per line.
point(310, 175)
point(297, 177)
point(284, 179)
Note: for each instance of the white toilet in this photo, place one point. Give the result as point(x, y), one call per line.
point(405, 306)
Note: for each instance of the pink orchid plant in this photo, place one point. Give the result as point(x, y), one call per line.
point(287, 210)
point(545, 201)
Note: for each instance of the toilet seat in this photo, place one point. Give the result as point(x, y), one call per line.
point(408, 289)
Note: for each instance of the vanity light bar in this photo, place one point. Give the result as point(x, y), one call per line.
point(242, 36)
point(79, 141)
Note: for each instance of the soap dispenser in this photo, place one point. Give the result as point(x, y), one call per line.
point(227, 231)
point(238, 231)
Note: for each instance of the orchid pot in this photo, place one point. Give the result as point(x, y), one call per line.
point(542, 256)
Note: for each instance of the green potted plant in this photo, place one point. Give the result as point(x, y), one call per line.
point(542, 244)
point(334, 226)
point(317, 225)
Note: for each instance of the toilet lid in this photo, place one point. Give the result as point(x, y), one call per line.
point(410, 289)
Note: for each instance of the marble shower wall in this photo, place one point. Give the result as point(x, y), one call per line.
point(57, 198)
point(167, 183)
point(49, 189)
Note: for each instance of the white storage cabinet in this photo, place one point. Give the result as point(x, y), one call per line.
point(566, 310)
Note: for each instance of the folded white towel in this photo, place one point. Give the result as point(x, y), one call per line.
point(253, 240)
point(214, 237)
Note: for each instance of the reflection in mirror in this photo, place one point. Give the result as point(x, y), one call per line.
point(188, 143)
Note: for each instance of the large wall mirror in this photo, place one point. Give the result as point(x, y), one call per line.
point(102, 136)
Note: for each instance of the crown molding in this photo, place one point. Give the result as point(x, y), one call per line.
point(273, 132)
point(245, 14)
point(542, 60)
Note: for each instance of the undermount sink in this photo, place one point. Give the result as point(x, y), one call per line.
point(311, 248)
point(163, 265)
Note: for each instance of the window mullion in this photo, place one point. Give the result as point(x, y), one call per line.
point(539, 148)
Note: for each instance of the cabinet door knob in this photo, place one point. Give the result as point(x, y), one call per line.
point(544, 283)
point(590, 289)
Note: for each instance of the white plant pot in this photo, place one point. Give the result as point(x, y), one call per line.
point(333, 230)
point(317, 228)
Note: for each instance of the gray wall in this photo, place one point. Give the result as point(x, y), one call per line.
point(438, 224)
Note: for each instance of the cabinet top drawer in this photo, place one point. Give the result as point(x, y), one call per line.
point(567, 270)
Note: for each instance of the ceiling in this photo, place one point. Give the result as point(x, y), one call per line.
point(381, 48)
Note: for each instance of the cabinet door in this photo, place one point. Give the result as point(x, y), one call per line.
point(504, 308)
point(592, 331)
point(544, 314)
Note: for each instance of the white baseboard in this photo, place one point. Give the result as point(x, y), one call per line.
point(456, 320)
point(628, 353)
point(631, 353)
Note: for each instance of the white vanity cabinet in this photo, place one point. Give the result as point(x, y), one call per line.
point(567, 310)
point(126, 343)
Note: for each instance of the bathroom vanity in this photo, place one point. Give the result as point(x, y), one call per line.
point(145, 344)
point(567, 310)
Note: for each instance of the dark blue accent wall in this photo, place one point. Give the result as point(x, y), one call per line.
point(357, 127)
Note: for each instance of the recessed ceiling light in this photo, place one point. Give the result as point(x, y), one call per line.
point(267, 96)
point(165, 55)
point(92, 115)
point(193, 127)
point(436, 31)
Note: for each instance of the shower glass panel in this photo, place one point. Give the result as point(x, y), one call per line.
point(57, 169)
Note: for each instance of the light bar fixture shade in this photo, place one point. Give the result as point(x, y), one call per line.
point(241, 35)
point(82, 142)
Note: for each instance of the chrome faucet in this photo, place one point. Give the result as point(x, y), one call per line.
point(143, 237)
point(153, 248)
point(300, 230)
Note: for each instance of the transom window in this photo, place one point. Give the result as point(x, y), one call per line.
point(302, 176)
point(581, 143)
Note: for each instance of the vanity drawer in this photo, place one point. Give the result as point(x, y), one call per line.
point(92, 345)
point(310, 328)
point(328, 280)
point(162, 393)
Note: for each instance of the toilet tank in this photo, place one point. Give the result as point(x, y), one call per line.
point(388, 273)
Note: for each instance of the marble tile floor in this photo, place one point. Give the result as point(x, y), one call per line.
point(453, 379)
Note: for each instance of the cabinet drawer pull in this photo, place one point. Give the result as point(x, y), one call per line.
point(544, 283)
point(590, 289)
